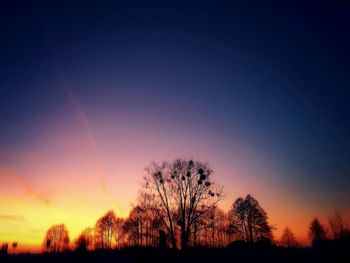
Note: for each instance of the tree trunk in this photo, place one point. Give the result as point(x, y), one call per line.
point(250, 228)
point(184, 241)
point(172, 239)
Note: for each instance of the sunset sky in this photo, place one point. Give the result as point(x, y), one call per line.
point(91, 94)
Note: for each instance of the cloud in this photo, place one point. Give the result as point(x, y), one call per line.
point(6, 174)
point(41, 197)
point(12, 217)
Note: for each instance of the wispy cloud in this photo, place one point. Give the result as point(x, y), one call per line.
point(43, 198)
point(12, 217)
point(28, 188)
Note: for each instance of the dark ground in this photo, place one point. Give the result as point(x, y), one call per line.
point(328, 253)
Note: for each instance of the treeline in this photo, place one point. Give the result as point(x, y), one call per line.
point(143, 228)
point(216, 228)
point(178, 208)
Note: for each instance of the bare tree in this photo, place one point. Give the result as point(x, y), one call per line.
point(130, 232)
point(317, 231)
point(134, 226)
point(288, 239)
point(183, 191)
point(118, 231)
point(85, 240)
point(222, 223)
point(337, 224)
point(56, 238)
point(151, 223)
point(249, 219)
point(104, 230)
point(211, 229)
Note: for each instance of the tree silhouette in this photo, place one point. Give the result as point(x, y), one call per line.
point(56, 238)
point(288, 239)
point(337, 224)
point(183, 191)
point(317, 231)
point(142, 226)
point(4, 248)
point(14, 246)
point(211, 229)
point(134, 226)
point(152, 224)
point(85, 240)
point(249, 219)
point(118, 231)
point(104, 230)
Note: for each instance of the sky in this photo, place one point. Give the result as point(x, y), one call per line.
point(92, 93)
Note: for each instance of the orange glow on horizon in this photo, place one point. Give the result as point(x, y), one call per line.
point(74, 176)
point(79, 203)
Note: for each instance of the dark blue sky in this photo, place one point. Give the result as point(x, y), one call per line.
point(273, 75)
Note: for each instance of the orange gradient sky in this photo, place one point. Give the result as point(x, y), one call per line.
point(74, 175)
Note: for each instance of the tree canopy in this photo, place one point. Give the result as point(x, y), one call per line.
point(56, 238)
point(288, 239)
point(317, 231)
point(182, 192)
point(250, 220)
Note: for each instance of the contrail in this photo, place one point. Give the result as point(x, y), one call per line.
point(86, 124)
point(82, 116)
point(92, 141)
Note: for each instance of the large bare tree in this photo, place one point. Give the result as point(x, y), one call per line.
point(182, 191)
